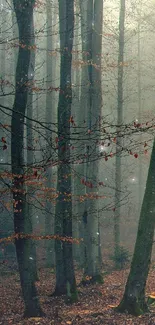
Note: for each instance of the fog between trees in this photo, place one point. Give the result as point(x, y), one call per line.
point(77, 131)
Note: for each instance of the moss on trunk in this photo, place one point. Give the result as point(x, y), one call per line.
point(151, 300)
point(70, 291)
point(133, 306)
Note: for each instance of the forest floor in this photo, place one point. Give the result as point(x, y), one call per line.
point(95, 305)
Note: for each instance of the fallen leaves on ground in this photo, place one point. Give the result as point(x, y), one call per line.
point(95, 306)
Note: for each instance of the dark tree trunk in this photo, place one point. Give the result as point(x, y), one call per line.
point(50, 71)
point(82, 118)
point(24, 14)
point(30, 152)
point(94, 22)
point(134, 296)
point(65, 278)
point(118, 174)
point(76, 113)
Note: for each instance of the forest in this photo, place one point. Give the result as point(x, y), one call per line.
point(77, 162)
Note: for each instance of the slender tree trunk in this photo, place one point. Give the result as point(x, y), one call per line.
point(30, 152)
point(76, 113)
point(97, 99)
point(82, 122)
point(15, 39)
point(24, 14)
point(2, 73)
point(134, 296)
point(140, 174)
point(118, 174)
point(3, 56)
point(94, 44)
point(49, 213)
point(28, 204)
point(65, 278)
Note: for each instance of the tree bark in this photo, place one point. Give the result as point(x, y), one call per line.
point(78, 115)
point(118, 179)
point(94, 45)
point(82, 122)
point(134, 296)
point(24, 14)
point(49, 213)
point(139, 77)
point(3, 36)
point(30, 152)
point(65, 278)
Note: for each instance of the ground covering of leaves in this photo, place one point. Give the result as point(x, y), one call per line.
point(95, 305)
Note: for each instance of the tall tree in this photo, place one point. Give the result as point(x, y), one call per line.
point(30, 151)
point(134, 296)
point(65, 278)
point(24, 15)
point(76, 113)
point(119, 138)
point(3, 23)
point(140, 176)
point(49, 213)
point(3, 34)
point(81, 120)
point(94, 21)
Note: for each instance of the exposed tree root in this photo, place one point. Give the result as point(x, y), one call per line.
point(132, 306)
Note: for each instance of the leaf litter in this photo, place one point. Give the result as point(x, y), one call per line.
point(95, 306)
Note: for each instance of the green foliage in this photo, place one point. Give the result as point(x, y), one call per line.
point(121, 257)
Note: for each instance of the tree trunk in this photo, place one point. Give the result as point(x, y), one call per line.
point(82, 122)
point(97, 101)
point(30, 153)
point(3, 36)
point(134, 296)
point(139, 77)
point(94, 45)
point(78, 116)
point(24, 14)
point(118, 179)
point(49, 213)
point(65, 278)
